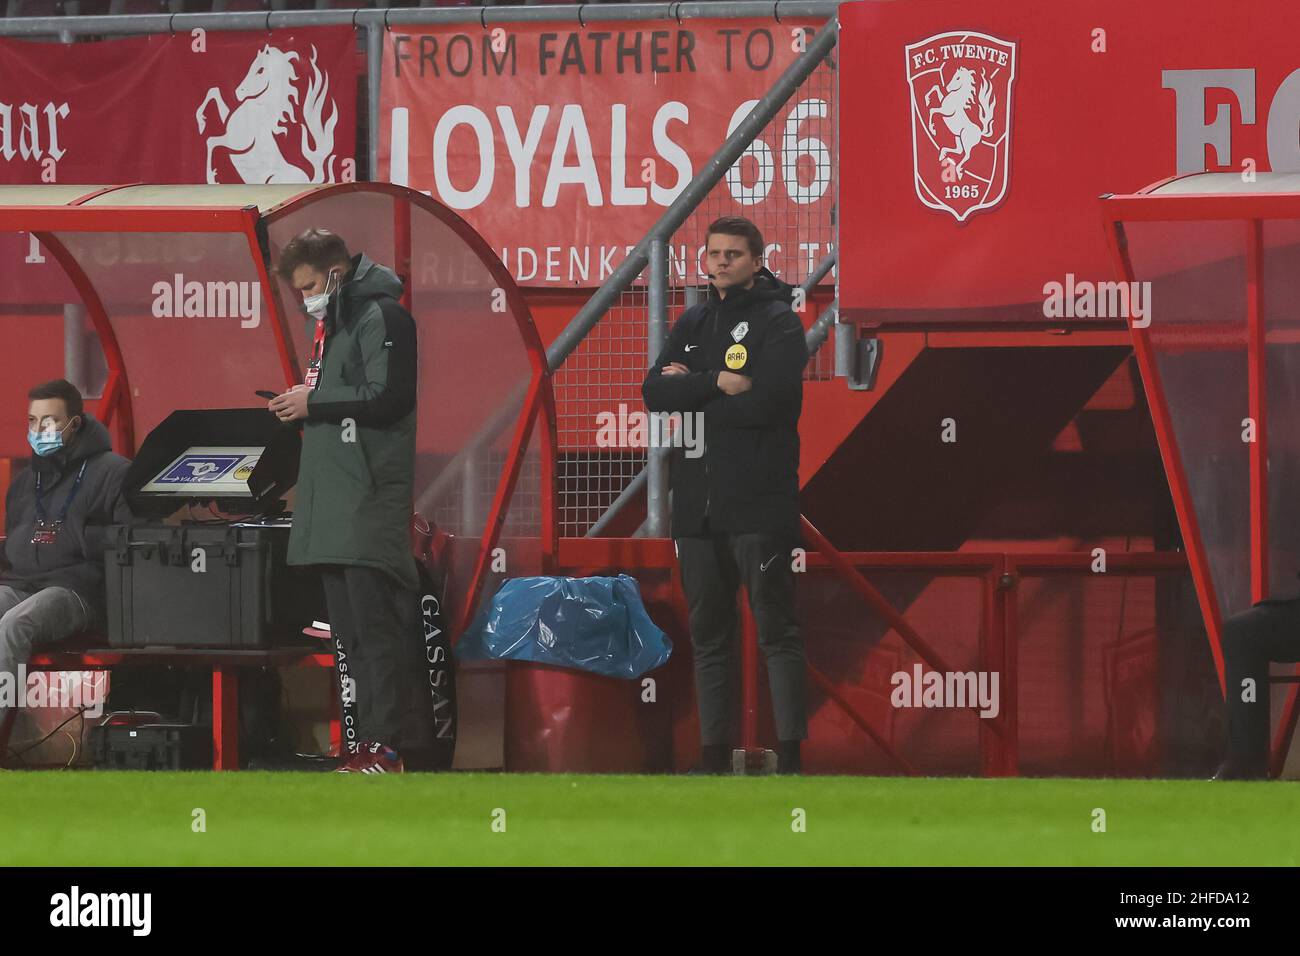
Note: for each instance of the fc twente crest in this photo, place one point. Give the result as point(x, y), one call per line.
point(961, 120)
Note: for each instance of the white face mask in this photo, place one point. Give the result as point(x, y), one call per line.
point(317, 304)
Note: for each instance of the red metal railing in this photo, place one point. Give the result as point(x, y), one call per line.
point(997, 735)
point(999, 573)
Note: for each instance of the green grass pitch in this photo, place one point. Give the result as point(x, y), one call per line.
point(270, 819)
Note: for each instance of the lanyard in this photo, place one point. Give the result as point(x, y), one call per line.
point(317, 352)
point(40, 504)
point(318, 342)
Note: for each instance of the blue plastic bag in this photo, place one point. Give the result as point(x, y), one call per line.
point(593, 624)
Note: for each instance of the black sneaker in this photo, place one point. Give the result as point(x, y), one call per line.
point(715, 760)
point(787, 758)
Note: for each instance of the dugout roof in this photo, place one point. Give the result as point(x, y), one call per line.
point(155, 297)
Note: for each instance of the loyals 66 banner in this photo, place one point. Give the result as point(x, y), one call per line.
point(562, 146)
point(193, 107)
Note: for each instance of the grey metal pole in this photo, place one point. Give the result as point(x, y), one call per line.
point(83, 358)
point(75, 359)
point(845, 337)
point(816, 334)
point(816, 276)
point(815, 337)
point(374, 67)
point(657, 457)
point(634, 488)
point(65, 35)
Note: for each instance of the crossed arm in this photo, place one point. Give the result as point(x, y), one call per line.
point(769, 391)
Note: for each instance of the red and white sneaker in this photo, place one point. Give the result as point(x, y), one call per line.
point(373, 757)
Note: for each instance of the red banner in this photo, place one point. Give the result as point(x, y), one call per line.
point(562, 147)
point(982, 134)
point(214, 107)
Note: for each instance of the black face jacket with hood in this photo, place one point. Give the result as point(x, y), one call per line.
point(357, 472)
point(75, 559)
point(748, 477)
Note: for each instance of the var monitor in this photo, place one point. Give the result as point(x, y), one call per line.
point(206, 472)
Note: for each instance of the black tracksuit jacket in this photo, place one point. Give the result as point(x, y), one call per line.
point(748, 477)
point(76, 558)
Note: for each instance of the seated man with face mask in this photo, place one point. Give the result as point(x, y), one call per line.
point(56, 510)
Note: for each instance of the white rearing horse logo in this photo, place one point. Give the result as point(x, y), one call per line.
point(954, 106)
point(267, 97)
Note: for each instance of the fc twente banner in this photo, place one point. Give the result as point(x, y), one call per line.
point(201, 107)
point(983, 132)
point(562, 147)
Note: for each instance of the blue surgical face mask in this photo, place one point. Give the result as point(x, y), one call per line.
point(47, 442)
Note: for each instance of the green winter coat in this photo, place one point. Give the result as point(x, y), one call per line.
point(355, 481)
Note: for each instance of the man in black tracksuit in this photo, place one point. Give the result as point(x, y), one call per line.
point(737, 361)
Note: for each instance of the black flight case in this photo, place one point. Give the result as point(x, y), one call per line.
point(202, 565)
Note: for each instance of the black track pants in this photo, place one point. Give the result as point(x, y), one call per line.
point(376, 619)
point(712, 569)
point(1251, 640)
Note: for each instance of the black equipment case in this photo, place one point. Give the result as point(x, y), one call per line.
point(135, 742)
point(209, 583)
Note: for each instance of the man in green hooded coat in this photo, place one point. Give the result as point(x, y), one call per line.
point(354, 496)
